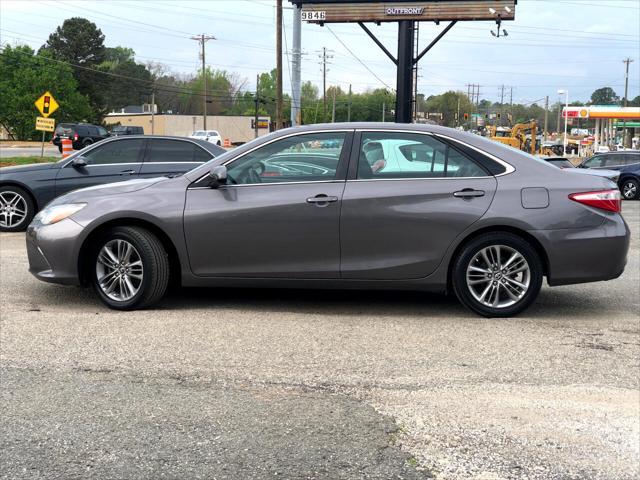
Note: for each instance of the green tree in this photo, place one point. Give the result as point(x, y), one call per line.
point(125, 81)
point(24, 77)
point(604, 96)
point(80, 42)
point(449, 104)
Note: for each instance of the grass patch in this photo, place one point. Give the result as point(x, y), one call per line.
point(11, 161)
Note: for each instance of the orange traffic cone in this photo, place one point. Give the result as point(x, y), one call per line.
point(67, 147)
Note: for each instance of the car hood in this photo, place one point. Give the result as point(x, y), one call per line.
point(26, 168)
point(117, 188)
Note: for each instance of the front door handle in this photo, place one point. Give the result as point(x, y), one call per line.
point(322, 200)
point(468, 193)
point(127, 172)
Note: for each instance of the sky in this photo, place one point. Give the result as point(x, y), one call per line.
point(577, 45)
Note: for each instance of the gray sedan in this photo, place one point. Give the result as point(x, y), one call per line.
point(387, 207)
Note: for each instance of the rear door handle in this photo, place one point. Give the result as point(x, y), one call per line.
point(127, 172)
point(322, 200)
point(468, 193)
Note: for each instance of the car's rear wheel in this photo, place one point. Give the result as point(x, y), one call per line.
point(16, 209)
point(497, 275)
point(630, 189)
point(130, 268)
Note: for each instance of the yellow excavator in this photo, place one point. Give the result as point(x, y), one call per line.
point(516, 137)
point(522, 136)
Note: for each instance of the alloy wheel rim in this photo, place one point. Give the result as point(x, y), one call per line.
point(498, 276)
point(13, 209)
point(119, 270)
point(629, 190)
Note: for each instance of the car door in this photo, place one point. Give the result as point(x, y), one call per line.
point(398, 220)
point(272, 219)
point(112, 161)
point(172, 156)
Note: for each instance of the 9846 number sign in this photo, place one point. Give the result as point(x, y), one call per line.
point(314, 16)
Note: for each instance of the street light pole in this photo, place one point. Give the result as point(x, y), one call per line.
point(566, 113)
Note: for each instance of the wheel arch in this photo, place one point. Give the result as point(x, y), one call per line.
point(84, 263)
point(533, 241)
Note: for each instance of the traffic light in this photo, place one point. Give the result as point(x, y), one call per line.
point(46, 103)
point(466, 116)
point(498, 115)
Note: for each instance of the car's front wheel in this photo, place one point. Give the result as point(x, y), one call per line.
point(497, 275)
point(16, 209)
point(130, 268)
point(630, 189)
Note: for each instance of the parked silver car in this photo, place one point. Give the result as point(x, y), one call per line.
point(388, 207)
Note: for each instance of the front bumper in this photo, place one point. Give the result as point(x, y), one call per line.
point(586, 255)
point(53, 251)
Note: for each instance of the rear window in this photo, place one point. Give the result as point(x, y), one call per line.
point(64, 129)
point(174, 151)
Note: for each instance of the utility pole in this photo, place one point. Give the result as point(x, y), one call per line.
point(324, 58)
point(627, 61)
point(501, 103)
point(546, 117)
point(333, 108)
point(256, 99)
point(510, 105)
point(153, 108)
point(202, 39)
point(349, 106)
point(384, 113)
point(458, 114)
point(296, 68)
point(278, 64)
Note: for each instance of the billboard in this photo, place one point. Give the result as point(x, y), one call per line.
point(343, 11)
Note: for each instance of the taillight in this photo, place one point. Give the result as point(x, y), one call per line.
point(75, 137)
point(603, 199)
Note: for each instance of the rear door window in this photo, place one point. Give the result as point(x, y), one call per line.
point(395, 155)
point(172, 151)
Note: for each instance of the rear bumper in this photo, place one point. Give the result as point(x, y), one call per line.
point(586, 255)
point(52, 251)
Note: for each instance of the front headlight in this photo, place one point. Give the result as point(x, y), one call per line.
point(56, 213)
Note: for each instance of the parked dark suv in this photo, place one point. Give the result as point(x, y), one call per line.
point(627, 163)
point(126, 130)
point(81, 134)
point(25, 189)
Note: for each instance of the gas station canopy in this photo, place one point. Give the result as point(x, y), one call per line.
point(609, 112)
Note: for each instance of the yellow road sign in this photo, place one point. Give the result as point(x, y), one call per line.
point(45, 124)
point(46, 104)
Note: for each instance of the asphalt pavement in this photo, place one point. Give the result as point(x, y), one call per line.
point(230, 383)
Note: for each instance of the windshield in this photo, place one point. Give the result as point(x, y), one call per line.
point(200, 133)
point(119, 129)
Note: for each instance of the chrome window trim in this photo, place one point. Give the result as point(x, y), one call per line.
point(146, 137)
point(342, 130)
point(509, 168)
point(265, 184)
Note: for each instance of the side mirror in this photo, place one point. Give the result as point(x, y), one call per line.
point(218, 176)
point(79, 162)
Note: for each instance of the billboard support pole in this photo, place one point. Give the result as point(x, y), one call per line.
point(404, 85)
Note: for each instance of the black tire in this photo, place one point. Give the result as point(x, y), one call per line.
point(469, 252)
point(632, 187)
point(60, 148)
point(86, 143)
point(155, 263)
point(25, 204)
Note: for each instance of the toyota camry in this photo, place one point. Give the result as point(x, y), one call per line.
point(358, 205)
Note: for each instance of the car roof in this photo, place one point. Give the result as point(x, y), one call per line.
point(210, 147)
